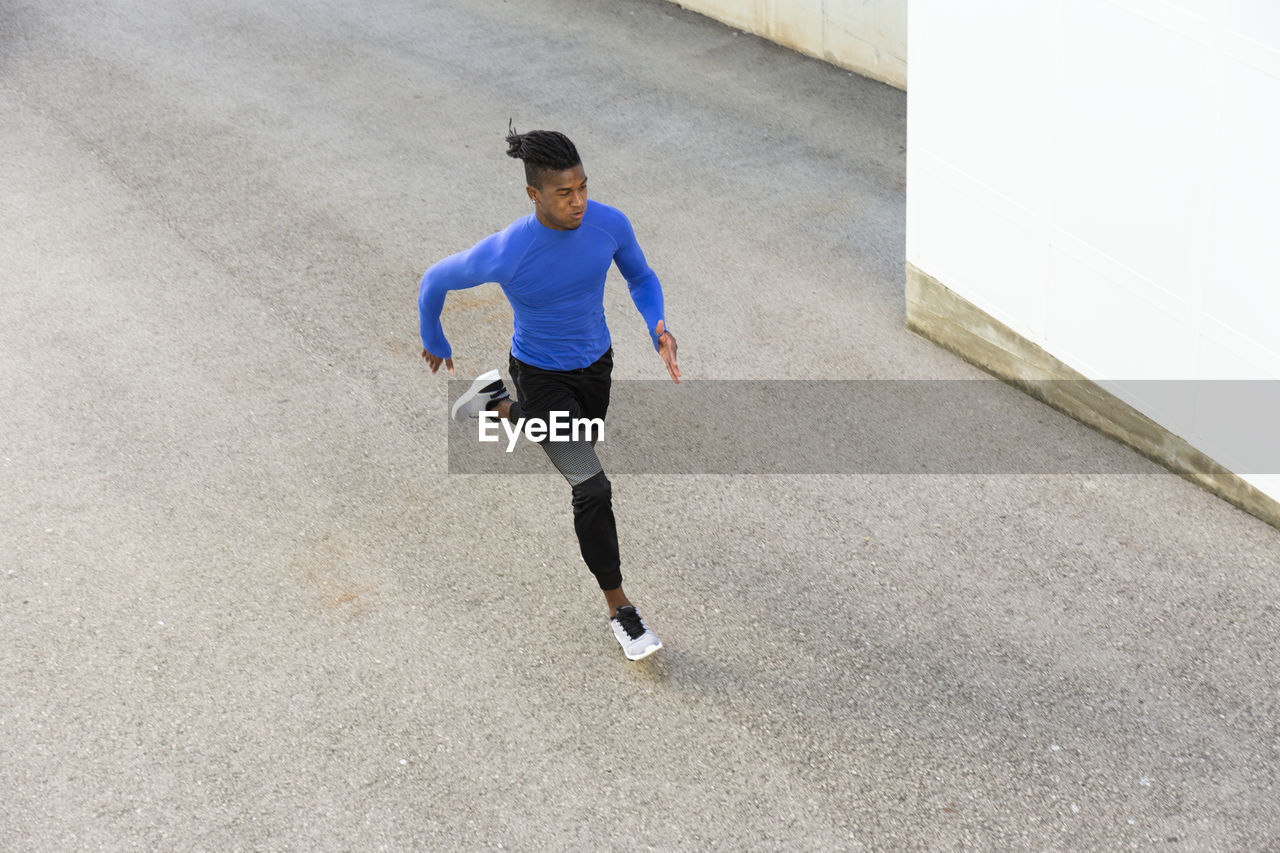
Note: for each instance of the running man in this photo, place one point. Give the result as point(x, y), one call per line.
point(551, 265)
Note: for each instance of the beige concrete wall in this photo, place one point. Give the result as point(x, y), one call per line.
point(865, 36)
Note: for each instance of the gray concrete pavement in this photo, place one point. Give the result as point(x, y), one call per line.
point(245, 607)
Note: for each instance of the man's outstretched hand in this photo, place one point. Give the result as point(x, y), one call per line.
point(667, 349)
point(435, 361)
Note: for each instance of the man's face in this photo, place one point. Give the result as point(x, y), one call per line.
point(562, 199)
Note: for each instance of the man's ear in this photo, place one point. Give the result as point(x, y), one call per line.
point(533, 193)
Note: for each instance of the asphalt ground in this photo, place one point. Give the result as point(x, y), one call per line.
point(245, 606)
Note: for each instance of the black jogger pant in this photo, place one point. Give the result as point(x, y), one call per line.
point(582, 393)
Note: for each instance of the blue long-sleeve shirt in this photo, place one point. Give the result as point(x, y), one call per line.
point(554, 281)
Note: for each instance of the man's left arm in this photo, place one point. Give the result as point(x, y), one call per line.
point(646, 293)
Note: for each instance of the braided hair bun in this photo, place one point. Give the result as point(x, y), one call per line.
point(542, 151)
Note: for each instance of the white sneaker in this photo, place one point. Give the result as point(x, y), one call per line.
point(486, 389)
point(635, 637)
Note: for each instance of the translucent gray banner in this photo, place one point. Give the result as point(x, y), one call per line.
point(886, 427)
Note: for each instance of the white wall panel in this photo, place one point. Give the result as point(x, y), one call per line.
point(1258, 20)
point(1228, 354)
point(1091, 325)
point(1243, 287)
point(996, 255)
point(996, 135)
point(1096, 312)
point(1129, 139)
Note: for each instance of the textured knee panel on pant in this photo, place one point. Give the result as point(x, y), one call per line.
point(576, 460)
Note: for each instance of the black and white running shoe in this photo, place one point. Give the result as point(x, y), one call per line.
point(636, 638)
point(486, 390)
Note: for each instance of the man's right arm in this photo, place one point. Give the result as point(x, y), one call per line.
point(476, 265)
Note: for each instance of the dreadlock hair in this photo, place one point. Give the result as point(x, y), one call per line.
point(542, 151)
